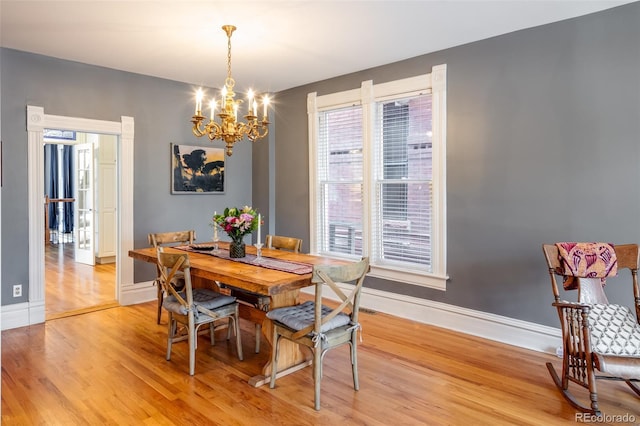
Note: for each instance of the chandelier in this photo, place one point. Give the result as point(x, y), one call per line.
point(229, 129)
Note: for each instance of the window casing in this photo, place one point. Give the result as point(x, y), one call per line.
point(377, 177)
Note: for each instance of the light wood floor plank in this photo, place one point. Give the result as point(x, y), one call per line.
point(72, 288)
point(109, 367)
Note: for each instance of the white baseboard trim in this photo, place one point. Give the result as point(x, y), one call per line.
point(499, 328)
point(30, 313)
point(138, 293)
point(36, 312)
point(502, 329)
point(14, 316)
point(21, 315)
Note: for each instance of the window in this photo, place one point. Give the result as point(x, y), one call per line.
point(377, 177)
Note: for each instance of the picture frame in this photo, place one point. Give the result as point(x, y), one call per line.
point(197, 169)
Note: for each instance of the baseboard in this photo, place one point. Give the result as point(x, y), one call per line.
point(138, 293)
point(105, 260)
point(21, 315)
point(502, 329)
point(16, 315)
point(482, 324)
point(31, 313)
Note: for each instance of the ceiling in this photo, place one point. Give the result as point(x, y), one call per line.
point(278, 44)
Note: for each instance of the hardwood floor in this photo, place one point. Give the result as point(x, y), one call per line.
point(109, 367)
point(71, 287)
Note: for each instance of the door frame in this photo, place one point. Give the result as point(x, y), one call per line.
point(37, 121)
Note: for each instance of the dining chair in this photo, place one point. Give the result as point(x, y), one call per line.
point(600, 340)
point(283, 243)
point(194, 307)
point(259, 301)
point(163, 239)
point(321, 328)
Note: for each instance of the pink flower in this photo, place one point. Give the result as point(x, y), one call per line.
point(237, 222)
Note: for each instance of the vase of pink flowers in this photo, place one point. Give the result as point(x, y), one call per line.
point(237, 222)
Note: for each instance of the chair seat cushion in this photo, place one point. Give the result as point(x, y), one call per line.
point(301, 316)
point(619, 366)
point(204, 297)
point(614, 330)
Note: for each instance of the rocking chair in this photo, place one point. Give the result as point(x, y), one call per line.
point(599, 340)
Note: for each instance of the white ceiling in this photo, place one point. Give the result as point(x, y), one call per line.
point(278, 44)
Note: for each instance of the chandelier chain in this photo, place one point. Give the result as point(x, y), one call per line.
point(229, 57)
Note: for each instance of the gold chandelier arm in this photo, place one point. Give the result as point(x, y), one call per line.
point(214, 131)
point(197, 129)
point(254, 130)
point(261, 131)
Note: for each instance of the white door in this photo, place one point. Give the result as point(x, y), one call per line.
point(106, 197)
point(83, 217)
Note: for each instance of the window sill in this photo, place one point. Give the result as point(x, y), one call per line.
point(421, 279)
point(407, 276)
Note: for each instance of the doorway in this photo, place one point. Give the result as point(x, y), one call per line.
point(80, 222)
point(127, 292)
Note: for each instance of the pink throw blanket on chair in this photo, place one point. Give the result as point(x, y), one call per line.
point(586, 260)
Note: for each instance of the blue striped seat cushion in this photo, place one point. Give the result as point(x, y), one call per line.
point(301, 316)
point(204, 297)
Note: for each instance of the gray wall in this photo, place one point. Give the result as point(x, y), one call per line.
point(161, 110)
point(543, 128)
point(543, 146)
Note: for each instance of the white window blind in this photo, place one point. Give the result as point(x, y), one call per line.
point(401, 226)
point(340, 180)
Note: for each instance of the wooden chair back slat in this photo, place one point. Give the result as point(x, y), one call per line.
point(171, 238)
point(172, 265)
point(283, 243)
point(628, 257)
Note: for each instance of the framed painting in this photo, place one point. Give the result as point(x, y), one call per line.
point(197, 170)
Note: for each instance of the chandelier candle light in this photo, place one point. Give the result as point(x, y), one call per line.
point(229, 129)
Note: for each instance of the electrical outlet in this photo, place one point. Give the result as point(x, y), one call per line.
point(17, 290)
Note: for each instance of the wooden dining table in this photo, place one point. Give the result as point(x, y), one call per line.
point(282, 288)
